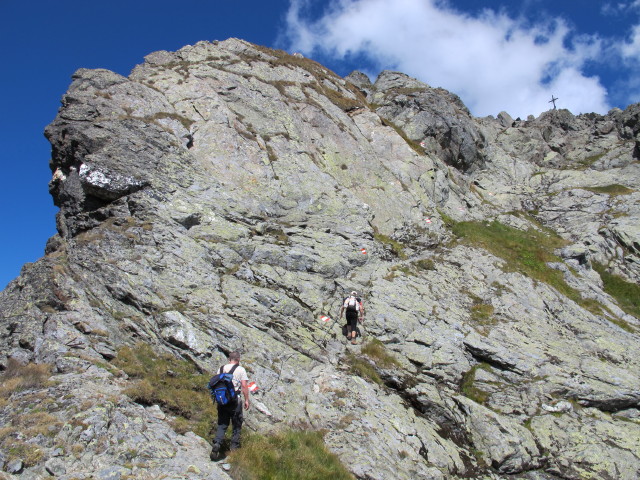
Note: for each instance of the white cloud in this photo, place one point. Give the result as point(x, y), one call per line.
point(631, 49)
point(493, 62)
point(619, 8)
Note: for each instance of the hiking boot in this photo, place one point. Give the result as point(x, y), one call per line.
point(215, 452)
point(353, 341)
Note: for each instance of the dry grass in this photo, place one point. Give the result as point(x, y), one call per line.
point(173, 384)
point(342, 97)
point(14, 437)
point(415, 146)
point(18, 377)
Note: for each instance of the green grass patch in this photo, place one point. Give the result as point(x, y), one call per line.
point(481, 312)
point(527, 424)
point(173, 384)
point(299, 455)
point(482, 317)
point(374, 355)
point(425, 264)
point(627, 294)
point(376, 351)
point(589, 161)
point(363, 368)
point(622, 324)
point(468, 388)
point(612, 190)
point(525, 252)
point(447, 220)
point(396, 247)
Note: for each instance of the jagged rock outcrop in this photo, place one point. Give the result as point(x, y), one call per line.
point(219, 197)
point(435, 118)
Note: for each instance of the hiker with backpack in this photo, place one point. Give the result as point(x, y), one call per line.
point(225, 388)
point(354, 309)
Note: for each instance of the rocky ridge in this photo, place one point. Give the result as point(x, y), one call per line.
point(218, 199)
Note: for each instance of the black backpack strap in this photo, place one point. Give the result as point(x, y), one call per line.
point(233, 369)
point(230, 372)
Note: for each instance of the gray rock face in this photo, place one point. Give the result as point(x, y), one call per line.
point(221, 197)
point(434, 118)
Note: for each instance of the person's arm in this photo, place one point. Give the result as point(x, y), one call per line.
point(341, 312)
point(245, 393)
point(361, 312)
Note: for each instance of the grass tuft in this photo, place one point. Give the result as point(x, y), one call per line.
point(25, 425)
point(468, 388)
point(627, 294)
point(396, 247)
point(425, 264)
point(173, 384)
point(375, 355)
point(376, 351)
point(322, 75)
point(300, 455)
point(186, 122)
point(15, 436)
point(612, 190)
point(589, 161)
point(481, 312)
point(363, 368)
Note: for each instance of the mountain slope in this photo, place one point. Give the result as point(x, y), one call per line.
point(219, 198)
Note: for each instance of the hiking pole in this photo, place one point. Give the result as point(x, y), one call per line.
point(363, 330)
point(328, 329)
point(283, 359)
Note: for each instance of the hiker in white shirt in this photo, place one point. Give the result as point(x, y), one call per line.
point(232, 412)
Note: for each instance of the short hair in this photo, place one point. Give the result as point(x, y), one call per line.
point(234, 356)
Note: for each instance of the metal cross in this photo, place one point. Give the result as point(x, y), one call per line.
point(553, 100)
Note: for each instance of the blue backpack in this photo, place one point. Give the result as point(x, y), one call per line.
point(221, 387)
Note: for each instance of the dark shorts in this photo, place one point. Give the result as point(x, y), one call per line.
point(352, 318)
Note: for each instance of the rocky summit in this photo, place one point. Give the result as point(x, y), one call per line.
point(228, 196)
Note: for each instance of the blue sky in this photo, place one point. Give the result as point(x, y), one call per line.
point(496, 54)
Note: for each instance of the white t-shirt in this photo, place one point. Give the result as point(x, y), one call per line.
point(239, 374)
